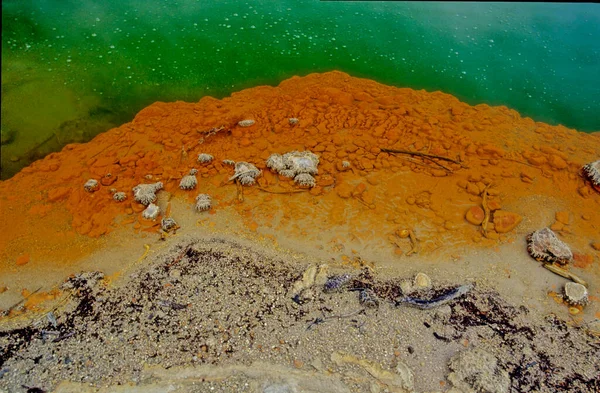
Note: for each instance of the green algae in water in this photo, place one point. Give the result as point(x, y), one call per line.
point(73, 69)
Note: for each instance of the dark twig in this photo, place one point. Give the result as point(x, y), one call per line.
point(438, 164)
point(63, 337)
point(419, 154)
point(319, 320)
point(171, 304)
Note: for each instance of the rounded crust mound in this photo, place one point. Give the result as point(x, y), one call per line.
point(205, 158)
point(245, 173)
point(151, 212)
point(246, 123)
point(228, 162)
point(146, 193)
point(188, 182)
point(476, 370)
point(592, 172)
point(203, 202)
point(575, 294)
point(299, 165)
point(305, 180)
point(91, 185)
point(544, 246)
point(275, 162)
point(302, 162)
point(119, 196)
point(167, 224)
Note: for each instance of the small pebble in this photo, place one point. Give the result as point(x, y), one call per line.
point(422, 280)
point(336, 283)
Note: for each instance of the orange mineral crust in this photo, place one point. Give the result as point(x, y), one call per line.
point(410, 170)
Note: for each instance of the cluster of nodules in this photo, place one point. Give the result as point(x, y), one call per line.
point(92, 185)
point(245, 173)
point(298, 165)
point(146, 195)
point(546, 247)
point(189, 182)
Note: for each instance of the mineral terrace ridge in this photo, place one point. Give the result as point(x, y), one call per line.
point(403, 182)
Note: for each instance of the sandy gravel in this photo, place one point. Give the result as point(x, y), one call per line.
point(211, 314)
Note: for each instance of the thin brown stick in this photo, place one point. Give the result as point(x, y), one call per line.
point(282, 191)
point(486, 211)
point(345, 315)
point(438, 164)
point(413, 243)
point(566, 274)
point(240, 191)
point(419, 154)
point(359, 198)
point(412, 161)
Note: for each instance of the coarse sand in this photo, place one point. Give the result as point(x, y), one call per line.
point(216, 314)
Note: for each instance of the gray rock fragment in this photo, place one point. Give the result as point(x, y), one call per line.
point(478, 371)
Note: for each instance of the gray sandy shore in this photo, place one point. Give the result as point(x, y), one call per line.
point(217, 315)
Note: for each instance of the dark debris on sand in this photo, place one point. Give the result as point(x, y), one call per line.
point(220, 303)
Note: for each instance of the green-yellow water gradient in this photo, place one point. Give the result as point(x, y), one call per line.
point(71, 69)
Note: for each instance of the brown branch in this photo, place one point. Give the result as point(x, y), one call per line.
point(486, 211)
point(419, 154)
point(564, 273)
point(522, 163)
point(413, 242)
point(281, 192)
point(437, 163)
point(240, 191)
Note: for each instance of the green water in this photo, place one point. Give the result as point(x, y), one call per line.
point(71, 69)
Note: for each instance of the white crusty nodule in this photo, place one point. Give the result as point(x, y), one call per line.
point(294, 164)
point(592, 172)
point(246, 123)
point(146, 193)
point(575, 294)
point(119, 196)
point(91, 185)
point(151, 212)
point(302, 162)
point(204, 158)
point(305, 180)
point(545, 246)
point(203, 202)
point(275, 162)
point(189, 182)
point(245, 173)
